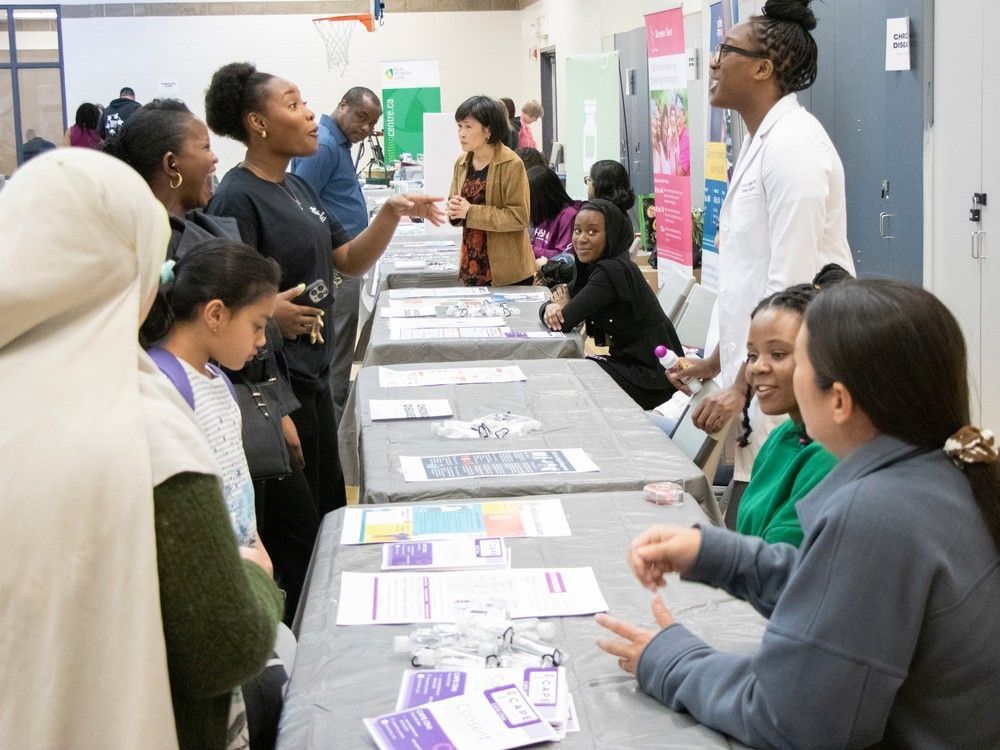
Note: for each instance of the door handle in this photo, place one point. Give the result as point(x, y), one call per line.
point(883, 219)
point(977, 245)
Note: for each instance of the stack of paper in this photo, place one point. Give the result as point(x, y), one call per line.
point(495, 464)
point(495, 718)
point(534, 295)
point(435, 596)
point(408, 311)
point(444, 291)
point(430, 243)
point(545, 687)
point(497, 518)
point(446, 554)
point(405, 323)
point(389, 378)
point(382, 409)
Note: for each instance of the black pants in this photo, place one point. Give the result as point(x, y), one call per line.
point(344, 318)
point(289, 510)
point(288, 524)
point(647, 398)
point(317, 427)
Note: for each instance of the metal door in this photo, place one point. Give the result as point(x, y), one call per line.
point(988, 249)
point(547, 67)
point(876, 119)
point(635, 147)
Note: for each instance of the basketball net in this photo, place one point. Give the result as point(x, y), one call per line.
point(336, 32)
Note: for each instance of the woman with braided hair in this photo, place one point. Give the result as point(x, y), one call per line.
point(790, 463)
point(881, 624)
point(785, 214)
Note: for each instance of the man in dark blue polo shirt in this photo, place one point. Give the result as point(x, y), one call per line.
point(330, 171)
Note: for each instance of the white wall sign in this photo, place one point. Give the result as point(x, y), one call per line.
point(897, 44)
point(441, 149)
point(167, 87)
point(692, 58)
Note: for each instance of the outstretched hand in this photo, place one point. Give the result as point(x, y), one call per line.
point(418, 206)
point(635, 638)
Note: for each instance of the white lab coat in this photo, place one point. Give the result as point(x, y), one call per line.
point(784, 218)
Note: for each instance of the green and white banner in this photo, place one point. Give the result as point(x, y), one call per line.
point(593, 118)
point(409, 89)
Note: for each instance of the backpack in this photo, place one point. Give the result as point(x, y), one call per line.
point(263, 438)
point(171, 367)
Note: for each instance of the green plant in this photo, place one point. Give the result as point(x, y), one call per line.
point(697, 228)
point(697, 231)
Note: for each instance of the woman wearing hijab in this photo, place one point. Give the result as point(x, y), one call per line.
point(621, 310)
point(123, 589)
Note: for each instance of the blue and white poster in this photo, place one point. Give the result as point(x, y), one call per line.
point(719, 156)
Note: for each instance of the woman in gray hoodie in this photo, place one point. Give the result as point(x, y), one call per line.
point(882, 627)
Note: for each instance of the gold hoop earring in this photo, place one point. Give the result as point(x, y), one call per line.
point(180, 179)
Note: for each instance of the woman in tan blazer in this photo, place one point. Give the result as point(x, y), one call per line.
point(489, 199)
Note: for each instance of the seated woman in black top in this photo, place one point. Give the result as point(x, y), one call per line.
point(611, 294)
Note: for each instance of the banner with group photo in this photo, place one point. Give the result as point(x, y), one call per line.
point(409, 89)
point(718, 152)
point(670, 139)
point(593, 116)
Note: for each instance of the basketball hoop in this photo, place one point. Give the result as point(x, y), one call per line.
point(336, 33)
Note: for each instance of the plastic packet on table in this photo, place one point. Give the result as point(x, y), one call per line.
point(664, 493)
point(490, 426)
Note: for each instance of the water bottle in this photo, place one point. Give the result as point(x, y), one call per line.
point(672, 363)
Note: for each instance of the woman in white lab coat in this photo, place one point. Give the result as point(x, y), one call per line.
point(785, 215)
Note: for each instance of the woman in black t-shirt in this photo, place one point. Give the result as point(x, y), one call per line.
point(281, 215)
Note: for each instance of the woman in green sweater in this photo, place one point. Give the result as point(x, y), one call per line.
point(789, 463)
point(136, 617)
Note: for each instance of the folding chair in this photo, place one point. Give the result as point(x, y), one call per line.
point(634, 248)
point(704, 449)
point(674, 291)
point(695, 317)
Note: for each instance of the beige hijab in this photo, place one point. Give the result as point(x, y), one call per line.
point(88, 426)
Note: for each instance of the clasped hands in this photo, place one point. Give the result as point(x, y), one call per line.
point(457, 208)
point(659, 550)
point(553, 317)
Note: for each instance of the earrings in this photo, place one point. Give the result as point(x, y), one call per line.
point(180, 179)
point(263, 134)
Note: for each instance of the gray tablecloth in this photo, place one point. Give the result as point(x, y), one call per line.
point(442, 269)
point(579, 406)
point(382, 350)
point(344, 674)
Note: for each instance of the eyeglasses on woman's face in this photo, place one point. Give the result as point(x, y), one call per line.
point(725, 49)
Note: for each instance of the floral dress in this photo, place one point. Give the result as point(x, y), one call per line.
point(474, 268)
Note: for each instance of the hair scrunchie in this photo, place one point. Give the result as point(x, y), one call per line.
point(167, 272)
point(972, 445)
